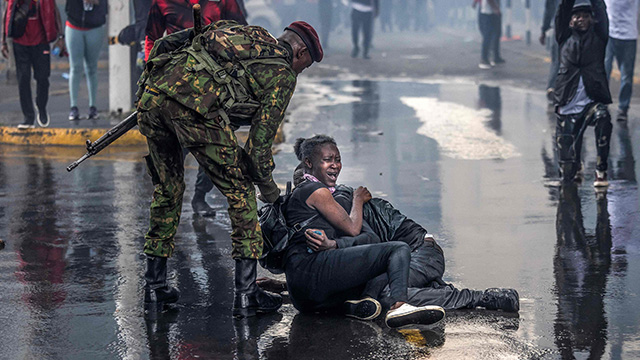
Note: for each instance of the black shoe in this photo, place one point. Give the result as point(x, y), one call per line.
point(500, 299)
point(355, 52)
point(200, 206)
point(414, 315)
point(249, 299)
point(156, 291)
point(74, 114)
point(43, 118)
point(93, 113)
point(366, 56)
point(363, 309)
point(498, 61)
point(26, 125)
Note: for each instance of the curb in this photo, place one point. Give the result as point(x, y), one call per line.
point(78, 137)
point(61, 136)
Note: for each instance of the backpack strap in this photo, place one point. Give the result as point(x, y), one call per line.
point(301, 225)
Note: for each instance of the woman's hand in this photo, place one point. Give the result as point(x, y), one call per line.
point(317, 240)
point(362, 193)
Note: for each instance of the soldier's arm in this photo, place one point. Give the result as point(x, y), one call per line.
point(563, 18)
point(279, 85)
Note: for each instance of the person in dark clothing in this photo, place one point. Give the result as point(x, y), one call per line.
point(550, 7)
point(490, 24)
point(31, 50)
point(426, 263)
point(170, 16)
point(363, 12)
point(582, 90)
point(321, 278)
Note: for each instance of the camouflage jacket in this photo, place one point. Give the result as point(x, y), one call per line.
point(246, 79)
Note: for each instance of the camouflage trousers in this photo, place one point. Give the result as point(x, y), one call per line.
point(169, 127)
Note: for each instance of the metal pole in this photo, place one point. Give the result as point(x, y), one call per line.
point(119, 59)
point(508, 22)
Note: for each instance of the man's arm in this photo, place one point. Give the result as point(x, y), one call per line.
point(280, 84)
point(549, 12)
point(155, 28)
point(232, 11)
point(367, 236)
point(563, 18)
point(601, 19)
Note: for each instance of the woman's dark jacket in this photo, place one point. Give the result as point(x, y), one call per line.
point(582, 54)
point(78, 17)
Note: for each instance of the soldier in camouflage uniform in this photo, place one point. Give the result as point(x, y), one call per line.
point(194, 96)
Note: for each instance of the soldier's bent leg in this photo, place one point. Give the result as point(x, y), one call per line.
point(166, 166)
point(221, 163)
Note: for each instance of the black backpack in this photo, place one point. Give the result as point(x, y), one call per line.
point(18, 21)
point(276, 233)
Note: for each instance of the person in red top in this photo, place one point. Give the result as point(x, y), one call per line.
point(31, 50)
point(176, 15)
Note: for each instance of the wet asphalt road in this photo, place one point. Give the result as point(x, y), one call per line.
point(473, 163)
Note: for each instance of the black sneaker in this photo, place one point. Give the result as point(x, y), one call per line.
point(414, 315)
point(74, 114)
point(363, 309)
point(93, 113)
point(601, 179)
point(622, 115)
point(43, 118)
point(498, 61)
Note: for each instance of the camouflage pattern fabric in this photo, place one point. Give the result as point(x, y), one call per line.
point(170, 128)
point(183, 106)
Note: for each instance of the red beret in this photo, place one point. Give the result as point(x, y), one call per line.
point(310, 38)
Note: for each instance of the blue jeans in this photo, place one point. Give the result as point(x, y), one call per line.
point(84, 48)
point(625, 53)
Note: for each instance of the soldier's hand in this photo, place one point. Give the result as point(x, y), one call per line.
point(5, 50)
point(269, 192)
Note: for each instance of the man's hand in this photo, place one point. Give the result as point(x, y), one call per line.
point(5, 51)
point(269, 192)
point(317, 240)
point(363, 194)
point(62, 45)
point(543, 38)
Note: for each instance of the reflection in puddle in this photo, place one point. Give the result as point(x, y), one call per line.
point(459, 130)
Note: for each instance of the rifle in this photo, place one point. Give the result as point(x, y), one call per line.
point(105, 140)
point(127, 124)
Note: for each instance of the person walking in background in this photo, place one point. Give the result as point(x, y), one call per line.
point(32, 24)
point(623, 36)
point(85, 33)
point(582, 90)
point(490, 23)
point(550, 7)
point(386, 23)
point(362, 14)
point(174, 15)
point(325, 10)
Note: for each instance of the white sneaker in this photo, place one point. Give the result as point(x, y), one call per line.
point(26, 126)
point(412, 315)
point(484, 65)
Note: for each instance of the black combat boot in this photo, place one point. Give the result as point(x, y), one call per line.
point(156, 291)
point(250, 299)
point(500, 299)
point(200, 206)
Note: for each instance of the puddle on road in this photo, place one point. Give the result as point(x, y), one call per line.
point(469, 162)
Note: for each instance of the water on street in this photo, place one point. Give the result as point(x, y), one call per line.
point(472, 163)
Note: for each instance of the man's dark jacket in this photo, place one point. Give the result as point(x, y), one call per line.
point(582, 54)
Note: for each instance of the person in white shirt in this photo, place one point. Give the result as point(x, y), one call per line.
point(362, 14)
point(623, 35)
